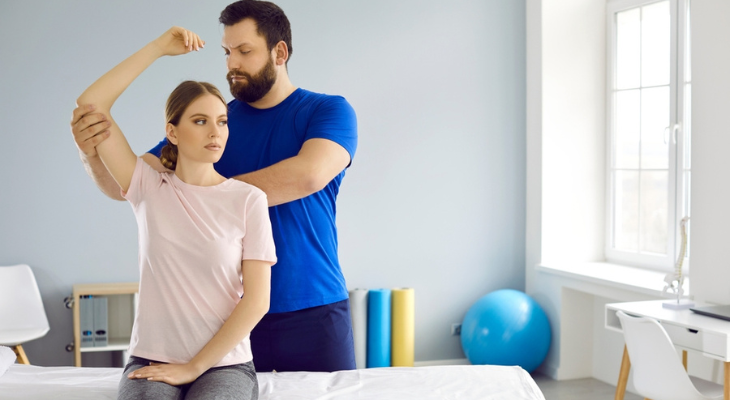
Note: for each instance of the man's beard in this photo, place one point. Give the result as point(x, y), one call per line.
point(256, 86)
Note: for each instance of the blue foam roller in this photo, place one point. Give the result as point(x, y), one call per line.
point(378, 328)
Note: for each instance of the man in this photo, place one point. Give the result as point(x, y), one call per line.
point(294, 145)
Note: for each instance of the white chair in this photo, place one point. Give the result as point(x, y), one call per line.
point(657, 368)
point(22, 316)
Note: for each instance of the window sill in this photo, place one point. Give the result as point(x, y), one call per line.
point(614, 276)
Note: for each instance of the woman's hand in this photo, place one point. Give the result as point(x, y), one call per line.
point(178, 41)
point(172, 374)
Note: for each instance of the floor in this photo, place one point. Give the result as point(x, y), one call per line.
point(578, 389)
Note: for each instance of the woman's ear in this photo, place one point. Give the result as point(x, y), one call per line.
point(170, 133)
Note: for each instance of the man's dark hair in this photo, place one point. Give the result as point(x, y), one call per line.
point(271, 22)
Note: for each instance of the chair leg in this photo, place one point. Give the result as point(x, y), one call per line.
point(623, 375)
point(20, 353)
point(727, 381)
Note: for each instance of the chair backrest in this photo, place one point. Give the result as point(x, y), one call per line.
point(656, 367)
point(21, 306)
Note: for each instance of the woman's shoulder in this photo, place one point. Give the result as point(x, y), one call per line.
point(246, 195)
point(150, 173)
point(245, 188)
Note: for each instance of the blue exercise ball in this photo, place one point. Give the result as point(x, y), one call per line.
point(506, 327)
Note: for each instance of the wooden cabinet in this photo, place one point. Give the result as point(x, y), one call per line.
point(121, 308)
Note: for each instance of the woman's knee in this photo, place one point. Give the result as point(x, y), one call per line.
point(234, 382)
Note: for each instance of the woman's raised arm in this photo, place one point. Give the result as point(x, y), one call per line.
point(115, 152)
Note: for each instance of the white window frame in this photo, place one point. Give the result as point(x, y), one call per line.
point(678, 62)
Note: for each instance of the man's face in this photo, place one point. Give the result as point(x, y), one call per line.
point(251, 71)
point(248, 88)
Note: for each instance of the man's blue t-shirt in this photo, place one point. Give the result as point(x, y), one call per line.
point(308, 272)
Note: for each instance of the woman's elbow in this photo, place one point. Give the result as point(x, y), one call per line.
point(261, 303)
point(263, 307)
point(88, 99)
point(85, 98)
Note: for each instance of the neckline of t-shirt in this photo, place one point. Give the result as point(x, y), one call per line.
point(296, 93)
point(180, 182)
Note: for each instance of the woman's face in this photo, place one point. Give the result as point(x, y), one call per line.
point(202, 132)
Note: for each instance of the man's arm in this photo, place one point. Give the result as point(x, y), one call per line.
point(318, 162)
point(89, 129)
point(96, 169)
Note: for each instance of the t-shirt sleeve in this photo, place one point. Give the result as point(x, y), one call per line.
point(144, 178)
point(157, 150)
point(335, 119)
point(258, 241)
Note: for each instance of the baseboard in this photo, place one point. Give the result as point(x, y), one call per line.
point(455, 361)
point(548, 370)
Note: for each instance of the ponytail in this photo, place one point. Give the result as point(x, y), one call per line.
point(168, 155)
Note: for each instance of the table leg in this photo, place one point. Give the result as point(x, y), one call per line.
point(726, 384)
point(623, 376)
point(684, 359)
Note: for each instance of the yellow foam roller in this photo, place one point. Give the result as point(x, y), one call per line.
point(402, 327)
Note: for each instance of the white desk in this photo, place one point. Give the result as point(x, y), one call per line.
point(688, 331)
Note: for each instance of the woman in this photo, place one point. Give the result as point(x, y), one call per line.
point(205, 243)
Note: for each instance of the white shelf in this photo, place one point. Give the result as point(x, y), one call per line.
point(122, 303)
point(114, 345)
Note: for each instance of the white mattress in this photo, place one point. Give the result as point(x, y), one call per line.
point(463, 382)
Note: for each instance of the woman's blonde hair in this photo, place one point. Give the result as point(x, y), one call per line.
point(179, 100)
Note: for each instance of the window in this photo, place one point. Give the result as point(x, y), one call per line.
point(649, 131)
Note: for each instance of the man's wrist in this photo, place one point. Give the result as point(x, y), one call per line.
point(85, 158)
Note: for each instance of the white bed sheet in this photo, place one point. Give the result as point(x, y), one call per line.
point(464, 382)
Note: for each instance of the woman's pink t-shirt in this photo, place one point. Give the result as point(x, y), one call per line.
point(192, 240)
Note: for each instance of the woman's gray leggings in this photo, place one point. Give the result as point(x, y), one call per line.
point(233, 382)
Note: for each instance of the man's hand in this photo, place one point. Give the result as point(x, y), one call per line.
point(172, 374)
point(89, 129)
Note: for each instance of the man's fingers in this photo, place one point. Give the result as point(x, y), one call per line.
point(80, 111)
point(89, 129)
point(98, 138)
point(88, 146)
point(90, 125)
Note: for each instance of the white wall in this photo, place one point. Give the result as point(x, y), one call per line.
point(710, 150)
point(566, 158)
point(573, 129)
point(435, 198)
point(533, 165)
